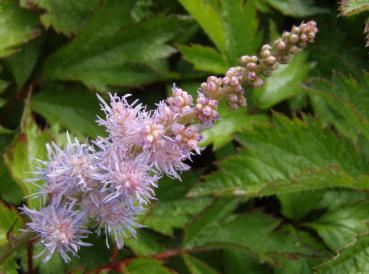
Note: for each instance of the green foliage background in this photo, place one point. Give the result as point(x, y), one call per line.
point(282, 186)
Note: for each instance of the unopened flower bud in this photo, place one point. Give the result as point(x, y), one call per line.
point(180, 102)
point(286, 35)
point(251, 66)
point(294, 38)
point(280, 45)
point(187, 137)
point(212, 87)
point(295, 30)
point(206, 109)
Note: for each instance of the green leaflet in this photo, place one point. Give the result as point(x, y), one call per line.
point(238, 261)
point(296, 8)
point(64, 16)
point(10, 221)
point(204, 58)
point(254, 232)
point(342, 102)
point(144, 244)
point(284, 83)
point(297, 205)
point(351, 7)
point(240, 29)
point(103, 54)
point(91, 258)
point(27, 146)
point(56, 264)
point(10, 190)
point(290, 156)
point(75, 110)
point(339, 227)
point(351, 259)
point(232, 121)
point(22, 63)
point(208, 220)
point(17, 26)
point(197, 266)
point(172, 210)
point(232, 27)
point(208, 18)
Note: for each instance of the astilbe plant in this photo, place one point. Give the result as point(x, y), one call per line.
point(105, 185)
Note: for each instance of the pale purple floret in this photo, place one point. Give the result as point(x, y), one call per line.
point(129, 178)
point(169, 158)
point(115, 217)
point(180, 102)
point(60, 229)
point(187, 138)
point(206, 109)
point(122, 119)
point(67, 171)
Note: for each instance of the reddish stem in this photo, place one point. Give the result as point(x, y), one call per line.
point(114, 256)
point(119, 265)
point(30, 256)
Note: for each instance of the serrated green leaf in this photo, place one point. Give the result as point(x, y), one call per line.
point(9, 220)
point(352, 259)
point(329, 56)
point(22, 63)
point(104, 54)
point(296, 8)
point(351, 7)
point(144, 244)
point(172, 210)
point(302, 264)
point(337, 198)
point(343, 102)
point(17, 26)
point(291, 156)
point(339, 227)
point(297, 205)
point(209, 219)
point(141, 10)
point(289, 266)
point(66, 16)
point(284, 83)
point(75, 110)
point(208, 18)
point(254, 232)
point(240, 29)
point(27, 146)
point(204, 58)
point(231, 122)
point(197, 266)
point(91, 258)
point(146, 266)
point(10, 190)
point(238, 261)
point(55, 265)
